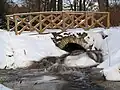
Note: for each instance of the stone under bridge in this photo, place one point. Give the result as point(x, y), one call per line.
point(78, 41)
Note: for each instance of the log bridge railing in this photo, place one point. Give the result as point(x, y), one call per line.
point(40, 21)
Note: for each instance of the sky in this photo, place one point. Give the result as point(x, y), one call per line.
point(18, 1)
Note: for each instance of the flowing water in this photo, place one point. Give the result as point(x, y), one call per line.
point(38, 80)
point(56, 77)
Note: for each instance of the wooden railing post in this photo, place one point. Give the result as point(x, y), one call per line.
point(51, 20)
point(15, 20)
point(108, 20)
point(30, 25)
point(8, 23)
point(63, 18)
point(92, 19)
point(73, 21)
point(40, 22)
point(86, 20)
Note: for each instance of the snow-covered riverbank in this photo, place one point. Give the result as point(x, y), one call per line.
point(19, 51)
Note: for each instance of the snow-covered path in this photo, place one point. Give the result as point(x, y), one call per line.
point(2, 87)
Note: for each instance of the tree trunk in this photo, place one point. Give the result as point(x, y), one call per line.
point(101, 4)
point(84, 7)
point(38, 5)
point(107, 4)
point(2, 14)
point(2, 9)
point(60, 5)
point(53, 5)
point(80, 5)
point(47, 5)
point(75, 5)
point(71, 5)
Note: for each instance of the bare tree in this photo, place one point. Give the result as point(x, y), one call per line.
point(80, 5)
point(71, 5)
point(53, 5)
point(107, 4)
point(2, 7)
point(60, 2)
point(2, 14)
point(39, 5)
point(75, 4)
point(101, 4)
point(84, 7)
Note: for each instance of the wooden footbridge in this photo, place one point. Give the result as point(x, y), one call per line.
point(40, 21)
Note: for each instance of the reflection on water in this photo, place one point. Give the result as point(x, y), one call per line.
point(51, 83)
point(36, 80)
point(73, 86)
point(61, 85)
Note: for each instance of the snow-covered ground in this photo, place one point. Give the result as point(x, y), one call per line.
point(19, 51)
point(81, 60)
point(2, 87)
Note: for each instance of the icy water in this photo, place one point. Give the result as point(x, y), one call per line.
point(37, 80)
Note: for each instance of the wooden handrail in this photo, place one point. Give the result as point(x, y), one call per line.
point(40, 21)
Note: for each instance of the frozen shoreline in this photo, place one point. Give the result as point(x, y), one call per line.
point(21, 50)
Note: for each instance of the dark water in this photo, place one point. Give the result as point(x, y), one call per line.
point(37, 80)
point(52, 85)
point(74, 86)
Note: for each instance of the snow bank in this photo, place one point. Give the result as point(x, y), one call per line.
point(112, 73)
point(111, 47)
point(4, 48)
point(52, 30)
point(81, 60)
point(111, 52)
point(19, 51)
point(2, 87)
